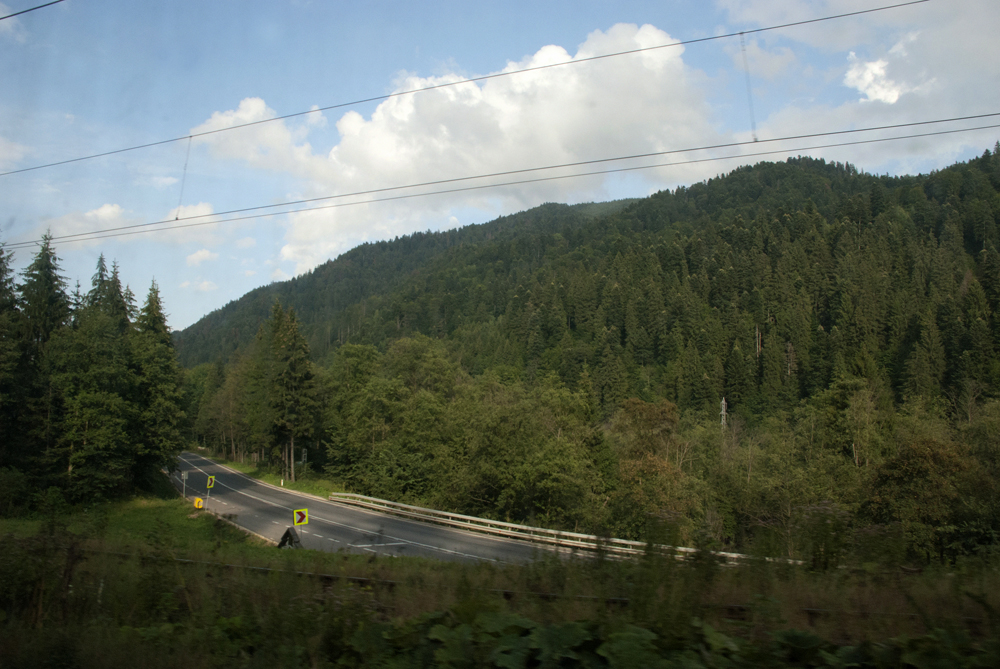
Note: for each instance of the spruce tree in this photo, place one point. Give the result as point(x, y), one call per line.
point(44, 302)
point(159, 394)
point(10, 356)
point(45, 309)
point(94, 385)
point(293, 398)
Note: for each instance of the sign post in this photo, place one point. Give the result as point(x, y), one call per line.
point(300, 516)
point(210, 485)
point(184, 484)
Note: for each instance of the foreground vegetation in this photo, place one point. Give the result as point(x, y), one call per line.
point(151, 583)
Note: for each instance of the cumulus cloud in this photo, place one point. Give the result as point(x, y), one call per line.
point(637, 104)
point(870, 79)
point(198, 257)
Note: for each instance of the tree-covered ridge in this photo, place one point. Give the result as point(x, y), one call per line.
point(573, 372)
point(329, 295)
point(90, 388)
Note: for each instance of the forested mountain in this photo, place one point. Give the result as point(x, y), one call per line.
point(572, 371)
point(324, 297)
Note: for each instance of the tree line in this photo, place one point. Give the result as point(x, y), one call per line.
point(91, 394)
point(571, 370)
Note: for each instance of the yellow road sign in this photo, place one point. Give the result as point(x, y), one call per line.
point(211, 482)
point(199, 503)
point(300, 516)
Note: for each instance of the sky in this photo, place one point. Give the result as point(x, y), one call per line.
point(85, 77)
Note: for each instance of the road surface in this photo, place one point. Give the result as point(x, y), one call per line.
point(266, 510)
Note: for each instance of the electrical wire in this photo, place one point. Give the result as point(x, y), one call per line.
point(581, 163)
point(145, 228)
point(25, 11)
point(460, 82)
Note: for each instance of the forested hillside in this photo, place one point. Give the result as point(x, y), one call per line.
point(324, 295)
point(571, 371)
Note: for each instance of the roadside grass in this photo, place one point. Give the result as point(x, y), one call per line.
point(847, 604)
point(118, 581)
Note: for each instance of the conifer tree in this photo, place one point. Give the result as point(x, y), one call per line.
point(159, 395)
point(10, 355)
point(44, 309)
point(45, 305)
point(293, 398)
point(94, 384)
point(926, 365)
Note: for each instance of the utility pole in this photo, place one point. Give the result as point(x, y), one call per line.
point(724, 406)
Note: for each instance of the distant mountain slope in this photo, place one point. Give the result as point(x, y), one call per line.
point(321, 296)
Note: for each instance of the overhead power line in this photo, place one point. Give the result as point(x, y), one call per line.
point(25, 11)
point(194, 221)
point(460, 82)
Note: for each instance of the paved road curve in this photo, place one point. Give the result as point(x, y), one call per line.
point(267, 511)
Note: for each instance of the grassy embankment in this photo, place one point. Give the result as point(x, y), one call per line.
point(152, 582)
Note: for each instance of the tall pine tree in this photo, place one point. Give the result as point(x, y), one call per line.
point(294, 391)
point(159, 395)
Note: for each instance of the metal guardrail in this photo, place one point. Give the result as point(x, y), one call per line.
point(572, 540)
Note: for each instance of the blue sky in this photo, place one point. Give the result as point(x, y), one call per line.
point(84, 77)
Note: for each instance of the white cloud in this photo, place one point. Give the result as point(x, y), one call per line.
point(201, 286)
point(870, 79)
point(162, 182)
point(198, 257)
point(246, 243)
point(637, 104)
point(928, 61)
point(278, 274)
point(10, 152)
point(249, 272)
point(316, 119)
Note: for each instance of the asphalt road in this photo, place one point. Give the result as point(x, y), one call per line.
point(266, 510)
